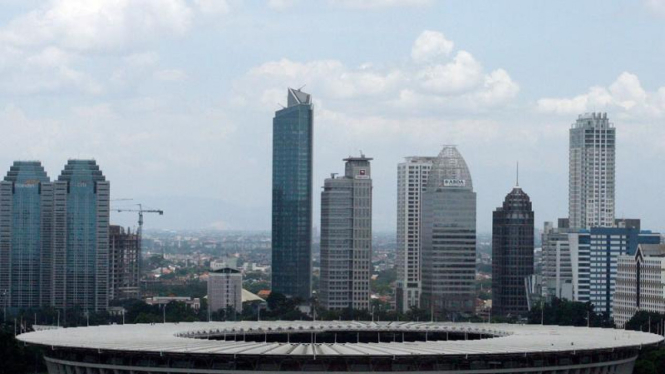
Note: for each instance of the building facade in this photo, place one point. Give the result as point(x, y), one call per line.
point(512, 254)
point(594, 257)
point(292, 197)
point(81, 237)
point(640, 283)
point(346, 237)
point(448, 237)
point(225, 290)
point(591, 172)
point(124, 263)
point(411, 183)
point(557, 269)
point(26, 209)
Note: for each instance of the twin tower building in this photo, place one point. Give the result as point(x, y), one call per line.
point(54, 237)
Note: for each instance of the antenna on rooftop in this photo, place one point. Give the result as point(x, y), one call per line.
point(283, 107)
point(517, 176)
point(301, 87)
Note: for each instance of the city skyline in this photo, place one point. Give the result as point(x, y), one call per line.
point(185, 124)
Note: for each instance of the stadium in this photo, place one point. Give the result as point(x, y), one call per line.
point(338, 346)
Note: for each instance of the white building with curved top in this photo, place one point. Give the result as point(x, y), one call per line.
point(338, 346)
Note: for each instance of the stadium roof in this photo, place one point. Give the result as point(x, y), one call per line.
point(179, 338)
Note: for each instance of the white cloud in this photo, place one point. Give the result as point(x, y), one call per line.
point(656, 6)
point(170, 75)
point(431, 46)
point(98, 24)
point(464, 73)
point(373, 4)
point(432, 81)
point(625, 95)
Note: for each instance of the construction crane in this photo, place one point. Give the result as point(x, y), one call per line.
point(140, 211)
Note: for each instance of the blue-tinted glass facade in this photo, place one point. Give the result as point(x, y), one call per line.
point(292, 197)
point(82, 210)
point(25, 243)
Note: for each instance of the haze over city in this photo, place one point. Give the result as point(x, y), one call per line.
point(178, 111)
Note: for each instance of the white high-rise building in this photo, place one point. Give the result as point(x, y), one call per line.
point(411, 182)
point(591, 174)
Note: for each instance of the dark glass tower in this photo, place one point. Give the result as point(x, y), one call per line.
point(292, 197)
point(26, 199)
point(512, 254)
point(81, 240)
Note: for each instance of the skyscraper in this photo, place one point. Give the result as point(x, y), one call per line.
point(81, 240)
point(346, 237)
point(225, 290)
point(26, 203)
point(448, 236)
point(292, 197)
point(124, 263)
point(512, 253)
point(411, 182)
point(591, 173)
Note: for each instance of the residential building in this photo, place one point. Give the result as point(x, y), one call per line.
point(292, 197)
point(448, 237)
point(346, 237)
point(512, 254)
point(81, 237)
point(124, 263)
point(26, 224)
point(640, 283)
point(592, 172)
point(594, 255)
point(411, 183)
point(225, 290)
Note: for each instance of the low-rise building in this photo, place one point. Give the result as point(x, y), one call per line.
point(640, 283)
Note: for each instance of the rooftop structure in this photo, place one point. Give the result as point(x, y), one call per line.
point(224, 347)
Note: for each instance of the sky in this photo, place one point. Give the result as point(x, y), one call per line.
point(175, 98)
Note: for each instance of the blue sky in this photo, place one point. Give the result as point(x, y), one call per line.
point(175, 98)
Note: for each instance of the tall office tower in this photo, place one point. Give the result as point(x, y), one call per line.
point(81, 240)
point(591, 173)
point(124, 264)
point(448, 236)
point(512, 254)
point(640, 283)
point(557, 269)
point(292, 148)
point(26, 203)
point(225, 289)
point(594, 254)
point(411, 182)
point(346, 237)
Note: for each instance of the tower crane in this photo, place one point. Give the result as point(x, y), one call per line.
point(140, 211)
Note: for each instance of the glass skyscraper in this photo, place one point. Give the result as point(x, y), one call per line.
point(292, 197)
point(512, 254)
point(448, 237)
point(81, 245)
point(25, 236)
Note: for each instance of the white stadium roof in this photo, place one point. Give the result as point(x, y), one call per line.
point(178, 338)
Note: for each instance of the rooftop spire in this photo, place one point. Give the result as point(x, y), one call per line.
point(517, 175)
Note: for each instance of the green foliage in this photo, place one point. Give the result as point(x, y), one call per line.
point(568, 313)
point(382, 285)
point(17, 358)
